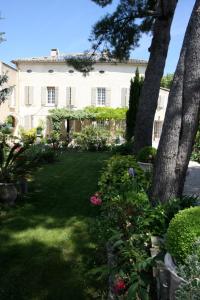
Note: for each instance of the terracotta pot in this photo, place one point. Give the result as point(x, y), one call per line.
point(8, 193)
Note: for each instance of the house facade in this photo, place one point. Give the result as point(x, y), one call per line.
point(43, 83)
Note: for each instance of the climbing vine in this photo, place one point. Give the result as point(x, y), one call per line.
point(58, 115)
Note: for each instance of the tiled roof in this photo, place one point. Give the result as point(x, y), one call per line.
point(62, 57)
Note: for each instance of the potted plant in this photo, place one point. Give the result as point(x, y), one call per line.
point(146, 158)
point(9, 171)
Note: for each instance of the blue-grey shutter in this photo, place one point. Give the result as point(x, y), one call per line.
point(108, 97)
point(93, 96)
point(43, 95)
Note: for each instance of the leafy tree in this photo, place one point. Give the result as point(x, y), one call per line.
point(166, 81)
point(135, 90)
point(182, 118)
point(4, 92)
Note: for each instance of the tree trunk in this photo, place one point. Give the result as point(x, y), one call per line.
point(182, 118)
point(154, 72)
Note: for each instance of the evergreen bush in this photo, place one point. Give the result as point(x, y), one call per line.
point(135, 91)
point(183, 232)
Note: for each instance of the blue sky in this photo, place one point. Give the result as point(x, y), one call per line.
point(34, 27)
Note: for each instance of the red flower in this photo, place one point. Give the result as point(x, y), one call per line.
point(119, 286)
point(95, 199)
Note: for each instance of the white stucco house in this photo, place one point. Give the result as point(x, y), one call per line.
point(42, 83)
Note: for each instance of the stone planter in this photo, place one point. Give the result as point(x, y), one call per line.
point(146, 167)
point(167, 279)
point(8, 193)
point(165, 273)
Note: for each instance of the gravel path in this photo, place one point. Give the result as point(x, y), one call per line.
point(192, 183)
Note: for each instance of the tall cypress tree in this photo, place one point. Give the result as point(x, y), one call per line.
point(135, 90)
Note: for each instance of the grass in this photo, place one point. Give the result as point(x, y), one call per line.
point(45, 241)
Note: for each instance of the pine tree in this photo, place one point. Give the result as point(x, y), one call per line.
point(181, 119)
point(121, 32)
point(135, 90)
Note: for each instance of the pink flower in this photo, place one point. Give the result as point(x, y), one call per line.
point(119, 286)
point(96, 200)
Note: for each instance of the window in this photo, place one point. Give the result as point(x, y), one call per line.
point(157, 129)
point(51, 95)
point(101, 96)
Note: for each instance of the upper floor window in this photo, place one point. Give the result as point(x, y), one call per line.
point(101, 96)
point(51, 95)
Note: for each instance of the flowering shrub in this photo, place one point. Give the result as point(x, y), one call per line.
point(121, 174)
point(119, 286)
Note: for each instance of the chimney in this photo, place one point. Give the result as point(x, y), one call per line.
point(54, 53)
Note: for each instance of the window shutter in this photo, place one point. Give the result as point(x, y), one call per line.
point(108, 97)
point(26, 95)
point(43, 96)
point(68, 96)
point(56, 95)
point(30, 99)
point(93, 96)
point(73, 96)
point(124, 97)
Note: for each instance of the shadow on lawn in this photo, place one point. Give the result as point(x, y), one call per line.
point(36, 271)
point(44, 274)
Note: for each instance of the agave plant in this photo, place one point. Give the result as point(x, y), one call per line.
point(9, 166)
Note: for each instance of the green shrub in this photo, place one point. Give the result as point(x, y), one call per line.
point(40, 153)
point(123, 149)
point(183, 232)
point(116, 178)
point(147, 155)
point(92, 138)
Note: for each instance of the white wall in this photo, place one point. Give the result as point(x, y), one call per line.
point(116, 77)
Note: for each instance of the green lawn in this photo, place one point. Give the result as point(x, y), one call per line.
point(45, 241)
